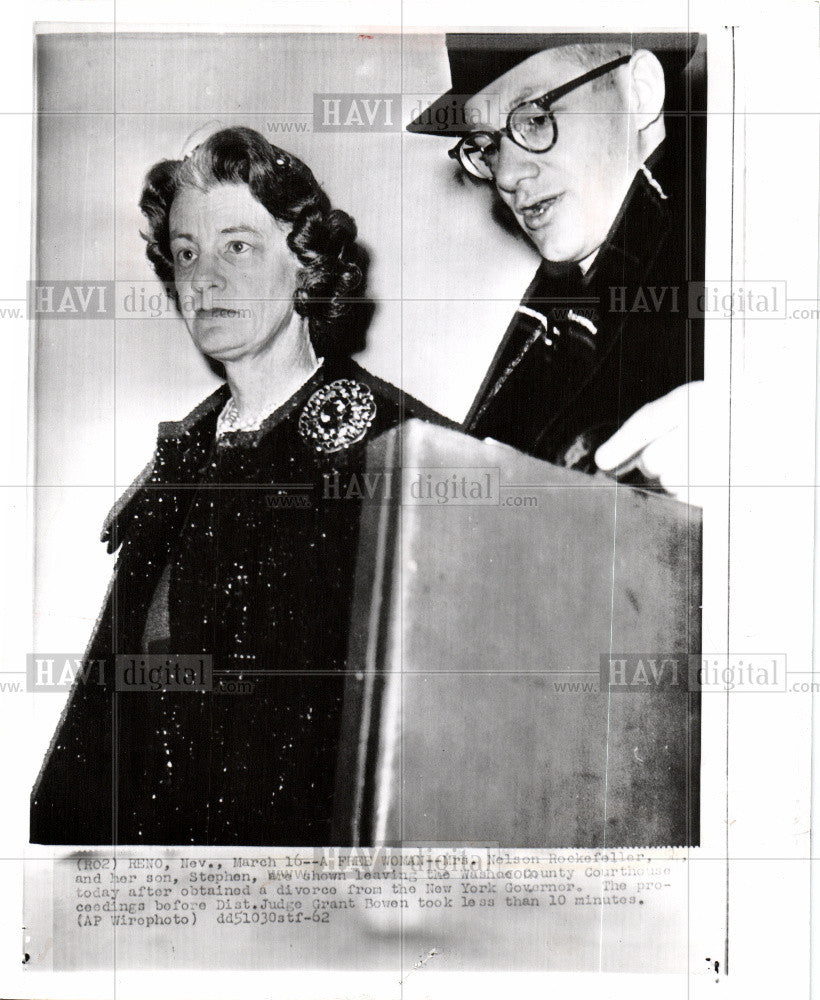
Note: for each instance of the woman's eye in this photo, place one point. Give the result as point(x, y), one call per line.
point(238, 246)
point(184, 256)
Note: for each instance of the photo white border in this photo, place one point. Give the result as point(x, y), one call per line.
point(752, 937)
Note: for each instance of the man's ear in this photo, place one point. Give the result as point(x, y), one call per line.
point(647, 88)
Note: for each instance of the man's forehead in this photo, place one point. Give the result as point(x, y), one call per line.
point(534, 76)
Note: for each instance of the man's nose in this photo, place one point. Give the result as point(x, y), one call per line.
point(514, 164)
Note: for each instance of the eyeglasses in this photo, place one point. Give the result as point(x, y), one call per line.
point(530, 125)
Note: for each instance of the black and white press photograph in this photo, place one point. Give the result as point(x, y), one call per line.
point(303, 642)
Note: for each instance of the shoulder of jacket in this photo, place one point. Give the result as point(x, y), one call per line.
point(406, 406)
point(209, 406)
point(120, 514)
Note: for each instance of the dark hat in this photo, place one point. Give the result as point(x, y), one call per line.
point(478, 59)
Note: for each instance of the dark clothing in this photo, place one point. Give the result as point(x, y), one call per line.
point(587, 351)
point(243, 550)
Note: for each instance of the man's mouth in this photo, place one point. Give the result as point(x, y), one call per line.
point(537, 212)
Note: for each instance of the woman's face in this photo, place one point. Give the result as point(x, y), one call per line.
point(234, 273)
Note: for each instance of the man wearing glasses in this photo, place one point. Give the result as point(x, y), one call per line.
point(576, 134)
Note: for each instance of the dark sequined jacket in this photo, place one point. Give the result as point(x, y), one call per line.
point(243, 551)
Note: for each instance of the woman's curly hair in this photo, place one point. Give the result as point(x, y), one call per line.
point(322, 238)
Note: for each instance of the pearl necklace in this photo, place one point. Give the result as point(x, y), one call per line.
point(229, 421)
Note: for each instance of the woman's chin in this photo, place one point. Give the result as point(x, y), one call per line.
point(221, 345)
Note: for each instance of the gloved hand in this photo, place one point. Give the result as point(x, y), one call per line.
point(668, 441)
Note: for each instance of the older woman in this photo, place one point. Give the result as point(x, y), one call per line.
point(231, 544)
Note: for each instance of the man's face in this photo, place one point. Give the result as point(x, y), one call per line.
point(566, 199)
point(234, 273)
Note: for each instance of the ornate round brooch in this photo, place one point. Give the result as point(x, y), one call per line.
point(337, 415)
